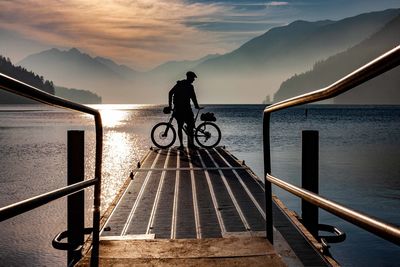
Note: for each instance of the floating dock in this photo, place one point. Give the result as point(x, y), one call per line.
point(196, 208)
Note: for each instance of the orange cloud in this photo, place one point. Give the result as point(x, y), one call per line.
point(136, 32)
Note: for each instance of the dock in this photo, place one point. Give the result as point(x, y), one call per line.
point(200, 207)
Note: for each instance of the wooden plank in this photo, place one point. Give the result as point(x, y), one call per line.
point(233, 198)
point(254, 261)
point(252, 210)
point(176, 197)
point(139, 197)
point(246, 251)
point(194, 197)
point(150, 225)
point(213, 196)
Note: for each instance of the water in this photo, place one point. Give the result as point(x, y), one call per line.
point(359, 166)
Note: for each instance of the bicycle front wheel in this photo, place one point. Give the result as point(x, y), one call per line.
point(163, 135)
point(207, 134)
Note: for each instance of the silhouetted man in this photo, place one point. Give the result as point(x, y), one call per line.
point(181, 94)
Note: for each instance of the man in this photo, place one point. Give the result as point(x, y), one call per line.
point(181, 94)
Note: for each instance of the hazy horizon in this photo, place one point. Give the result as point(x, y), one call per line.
point(145, 34)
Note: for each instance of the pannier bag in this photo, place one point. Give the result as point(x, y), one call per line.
point(167, 110)
point(208, 116)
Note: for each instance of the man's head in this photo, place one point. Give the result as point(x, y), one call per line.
point(190, 76)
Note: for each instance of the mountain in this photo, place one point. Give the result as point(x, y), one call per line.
point(77, 95)
point(177, 69)
point(258, 67)
point(74, 69)
point(115, 83)
point(162, 78)
point(381, 90)
point(122, 70)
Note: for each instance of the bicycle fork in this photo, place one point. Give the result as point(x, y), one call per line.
point(165, 134)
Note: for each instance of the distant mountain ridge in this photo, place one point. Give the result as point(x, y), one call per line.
point(258, 67)
point(384, 89)
point(322, 36)
point(74, 69)
point(122, 70)
point(174, 68)
point(77, 95)
point(39, 82)
point(253, 71)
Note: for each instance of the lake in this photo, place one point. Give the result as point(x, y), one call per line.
point(359, 166)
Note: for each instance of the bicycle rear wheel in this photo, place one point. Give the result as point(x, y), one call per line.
point(207, 134)
point(163, 135)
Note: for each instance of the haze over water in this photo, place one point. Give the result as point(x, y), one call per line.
point(359, 152)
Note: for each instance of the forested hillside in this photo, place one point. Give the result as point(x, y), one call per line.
point(22, 74)
point(78, 95)
point(381, 90)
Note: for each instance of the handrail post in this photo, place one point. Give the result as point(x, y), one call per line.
point(267, 184)
point(94, 259)
point(75, 203)
point(309, 179)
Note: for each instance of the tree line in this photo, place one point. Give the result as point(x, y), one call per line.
point(22, 74)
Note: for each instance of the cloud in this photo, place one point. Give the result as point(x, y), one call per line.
point(277, 3)
point(137, 32)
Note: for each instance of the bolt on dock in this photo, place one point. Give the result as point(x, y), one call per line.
point(194, 208)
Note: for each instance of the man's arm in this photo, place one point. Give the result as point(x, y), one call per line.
point(170, 94)
point(194, 99)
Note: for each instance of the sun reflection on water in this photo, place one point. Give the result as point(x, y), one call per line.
point(125, 141)
point(116, 161)
point(112, 118)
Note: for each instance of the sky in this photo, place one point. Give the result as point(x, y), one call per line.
point(145, 33)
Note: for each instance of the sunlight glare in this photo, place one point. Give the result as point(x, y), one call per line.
point(117, 150)
point(112, 118)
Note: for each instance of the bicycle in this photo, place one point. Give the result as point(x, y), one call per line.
point(207, 134)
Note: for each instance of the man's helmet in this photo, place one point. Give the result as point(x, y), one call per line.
point(191, 74)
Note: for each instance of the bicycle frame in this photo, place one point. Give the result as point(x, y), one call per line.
point(170, 125)
point(184, 127)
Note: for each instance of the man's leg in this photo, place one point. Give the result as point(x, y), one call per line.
point(180, 136)
point(190, 129)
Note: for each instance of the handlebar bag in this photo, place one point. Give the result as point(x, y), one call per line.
point(167, 110)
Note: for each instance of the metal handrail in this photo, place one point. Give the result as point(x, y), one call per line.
point(375, 226)
point(385, 62)
point(40, 200)
point(14, 86)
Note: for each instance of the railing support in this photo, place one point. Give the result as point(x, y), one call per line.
point(12, 85)
point(309, 179)
point(75, 203)
point(267, 184)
